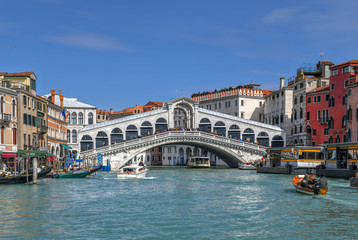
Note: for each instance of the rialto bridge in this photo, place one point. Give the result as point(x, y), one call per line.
point(231, 138)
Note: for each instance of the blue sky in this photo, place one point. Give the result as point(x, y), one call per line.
point(115, 54)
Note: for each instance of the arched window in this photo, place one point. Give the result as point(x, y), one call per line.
point(234, 132)
point(90, 118)
point(131, 132)
point(74, 136)
point(263, 139)
point(101, 139)
point(13, 107)
point(248, 135)
point(68, 136)
point(86, 143)
point(205, 125)
point(146, 129)
point(338, 139)
point(301, 98)
point(74, 118)
point(301, 113)
point(116, 136)
point(301, 128)
point(281, 118)
point(80, 118)
point(161, 125)
point(220, 128)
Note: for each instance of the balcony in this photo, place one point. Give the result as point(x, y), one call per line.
point(4, 117)
point(323, 120)
point(42, 129)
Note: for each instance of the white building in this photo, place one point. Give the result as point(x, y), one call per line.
point(80, 115)
point(278, 108)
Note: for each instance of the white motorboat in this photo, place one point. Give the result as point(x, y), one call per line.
point(132, 171)
point(246, 166)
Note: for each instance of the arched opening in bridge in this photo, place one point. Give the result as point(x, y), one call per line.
point(146, 129)
point(263, 139)
point(161, 125)
point(101, 139)
point(205, 125)
point(248, 135)
point(180, 161)
point(180, 118)
point(220, 128)
point(196, 151)
point(116, 136)
point(277, 141)
point(234, 132)
point(131, 132)
point(188, 152)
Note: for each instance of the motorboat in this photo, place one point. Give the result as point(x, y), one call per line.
point(133, 171)
point(198, 162)
point(246, 166)
point(308, 185)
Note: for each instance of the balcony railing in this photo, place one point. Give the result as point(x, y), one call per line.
point(42, 129)
point(5, 117)
point(323, 120)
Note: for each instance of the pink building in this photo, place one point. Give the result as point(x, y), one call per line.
point(352, 109)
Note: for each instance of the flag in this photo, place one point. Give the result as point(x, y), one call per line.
point(65, 113)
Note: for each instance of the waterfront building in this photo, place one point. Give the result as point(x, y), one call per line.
point(80, 115)
point(352, 109)
point(57, 128)
point(102, 116)
point(8, 123)
point(278, 108)
point(151, 105)
point(342, 75)
point(245, 101)
point(308, 78)
point(317, 116)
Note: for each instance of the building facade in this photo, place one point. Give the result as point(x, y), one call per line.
point(352, 110)
point(57, 129)
point(79, 115)
point(307, 79)
point(243, 101)
point(8, 124)
point(342, 75)
point(278, 109)
point(317, 115)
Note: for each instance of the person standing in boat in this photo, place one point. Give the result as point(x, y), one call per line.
point(4, 167)
point(322, 182)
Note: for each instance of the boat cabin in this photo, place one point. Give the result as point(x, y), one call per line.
point(198, 162)
point(342, 155)
point(302, 156)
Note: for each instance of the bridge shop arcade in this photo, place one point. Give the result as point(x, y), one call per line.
point(231, 138)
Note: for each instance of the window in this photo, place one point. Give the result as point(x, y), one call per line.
point(219, 105)
point(346, 69)
point(318, 115)
point(295, 100)
point(80, 118)
point(319, 99)
point(314, 99)
point(216, 105)
point(308, 116)
point(332, 86)
point(74, 136)
point(327, 97)
point(301, 99)
point(13, 108)
point(326, 131)
point(29, 120)
point(24, 101)
point(345, 83)
point(301, 129)
point(74, 118)
point(301, 85)
point(33, 104)
point(236, 103)
point(25, 118)
point(335, 72)
point(308, 100)
point(68, 136)
point(242, 102)
point(296, 87)
point(242, 115)
point(90, 118)
point(229, 103)
point(301, 113)
point(314, 132)
point(260, 104)
point(99, 116)
point(24, 139)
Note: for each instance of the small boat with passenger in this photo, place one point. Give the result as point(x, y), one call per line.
point(310, 184)
point(198, 162)
point(246, 166)
point(133, 171)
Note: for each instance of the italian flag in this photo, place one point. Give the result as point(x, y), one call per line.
point(65, 113)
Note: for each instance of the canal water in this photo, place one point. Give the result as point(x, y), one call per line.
point(177, 203)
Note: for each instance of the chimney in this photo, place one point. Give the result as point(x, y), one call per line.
point(111, 110)
point(61, 99)
point(282, 83)
point(59, 92)
point(53, 94)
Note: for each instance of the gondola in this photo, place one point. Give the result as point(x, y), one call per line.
point(22, 178)
point(311, 189)
point(95, 169)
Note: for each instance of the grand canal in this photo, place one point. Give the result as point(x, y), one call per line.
point(177, 203)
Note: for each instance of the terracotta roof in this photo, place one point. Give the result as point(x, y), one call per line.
point(320, 89)
point(267, 92)
point(353, 61)
point(153, 103)
point(129, 110)
point(102, 112)
point(20, 74)
point(327, 62)
point(2, 73)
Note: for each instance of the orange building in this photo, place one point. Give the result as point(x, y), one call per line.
point(57, 128)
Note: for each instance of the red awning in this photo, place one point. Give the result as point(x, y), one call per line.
point(50, 158)
point(9, 155)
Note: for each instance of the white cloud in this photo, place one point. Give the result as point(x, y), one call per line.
point(90, 41)
point(282, 15)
